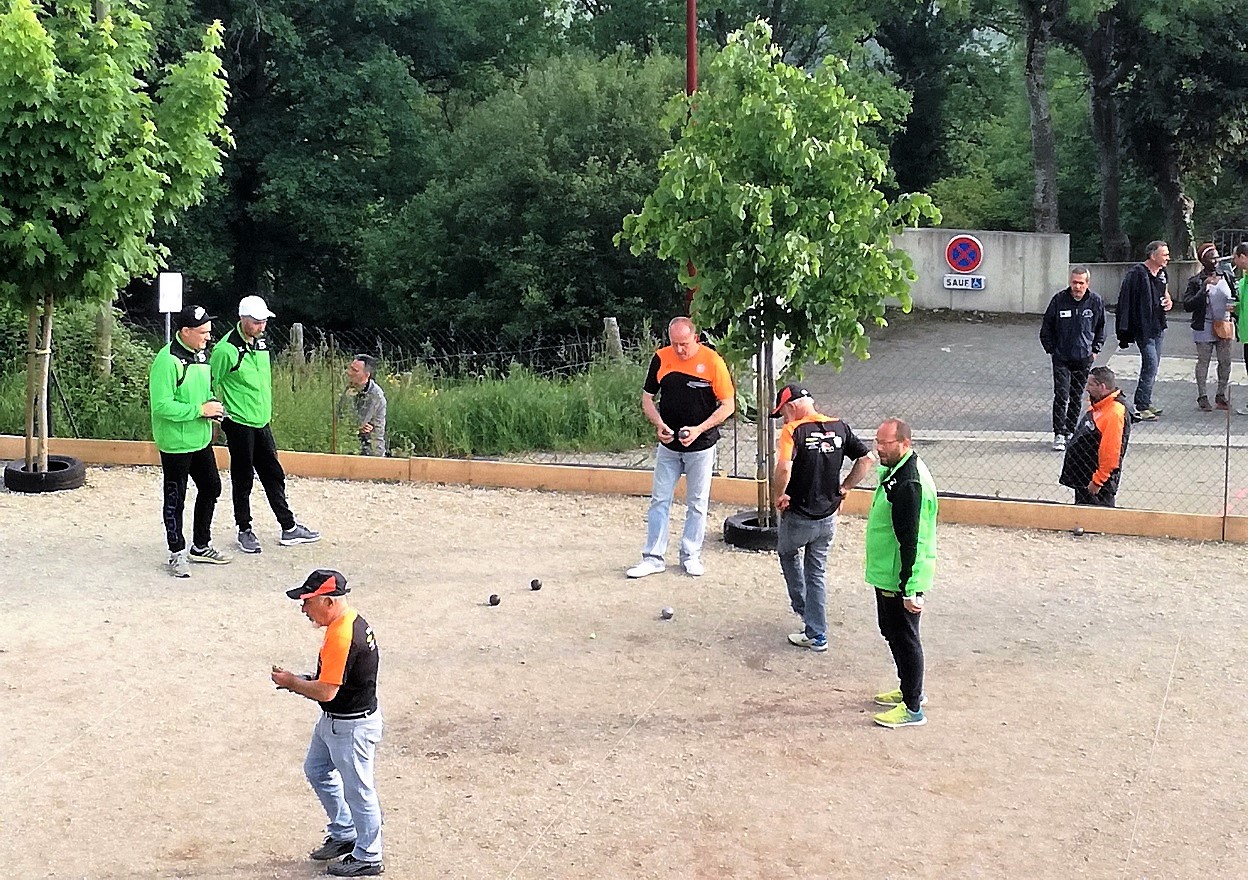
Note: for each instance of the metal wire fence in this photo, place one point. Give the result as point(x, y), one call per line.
point(976, 389)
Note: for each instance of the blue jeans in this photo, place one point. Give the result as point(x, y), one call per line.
point(1150, 357)
point(668, 466)
point(803, 545)
point(339, 767)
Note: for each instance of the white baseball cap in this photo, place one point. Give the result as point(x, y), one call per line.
point(254, 307)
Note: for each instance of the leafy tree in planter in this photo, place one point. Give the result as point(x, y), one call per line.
point(773, 195)
point(91, 158)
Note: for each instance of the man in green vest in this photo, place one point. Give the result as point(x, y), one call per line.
point(1240, 257)
point(242, 377)
point(901, 565)
point(183, 410)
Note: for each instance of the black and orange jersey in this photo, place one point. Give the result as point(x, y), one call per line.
point(688, 392)
point(349, 659)
point(818, 446)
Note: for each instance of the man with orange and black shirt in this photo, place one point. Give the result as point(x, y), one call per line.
point(807, 490)
point(1093, 463)
point(694, 395)
point(339, 764)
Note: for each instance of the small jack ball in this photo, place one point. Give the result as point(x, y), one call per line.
point(666, 613)
point(684, 432)
point(535, 584)
point(494, 600)
point(1077, 531)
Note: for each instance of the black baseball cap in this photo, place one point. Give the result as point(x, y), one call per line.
point(322, 582)
point(193, 316)
point(788, 394)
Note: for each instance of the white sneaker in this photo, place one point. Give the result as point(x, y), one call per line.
point(1059, 442)
point(648, 566)
point(694, 567)
point(180, 563)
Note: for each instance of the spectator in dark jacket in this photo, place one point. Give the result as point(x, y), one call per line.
point(1143, 301)
point(1072, 333)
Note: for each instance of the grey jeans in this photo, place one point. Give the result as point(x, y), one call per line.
point(803, 545)
point(1204, 352)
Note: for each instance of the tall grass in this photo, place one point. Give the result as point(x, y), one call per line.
point(595, 411)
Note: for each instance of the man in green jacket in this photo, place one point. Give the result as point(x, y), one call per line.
point(901, 565)
point(242, 377)
point(182, 412)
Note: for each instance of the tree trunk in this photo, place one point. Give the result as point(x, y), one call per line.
point(1043, 139)
point(764, 440)
point(1098, 54)
point(1177, 207)
point(104, 340)
point(32, 346)
point(43, 365)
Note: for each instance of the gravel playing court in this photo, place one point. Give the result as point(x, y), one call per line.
point(1086, 715)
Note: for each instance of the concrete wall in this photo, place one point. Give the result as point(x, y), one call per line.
point(1021, 270)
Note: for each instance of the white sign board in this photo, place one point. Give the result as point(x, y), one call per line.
point(169, 292)
point(964, 282)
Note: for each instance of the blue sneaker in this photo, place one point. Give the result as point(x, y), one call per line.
point(900, 716)
point(801, 640)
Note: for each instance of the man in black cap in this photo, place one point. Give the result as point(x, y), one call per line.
point(807, 490)
point(339, 765)
point(182, 413)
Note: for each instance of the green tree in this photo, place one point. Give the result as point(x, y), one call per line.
point(513, 234)
point(773, 194)
point(91, 159)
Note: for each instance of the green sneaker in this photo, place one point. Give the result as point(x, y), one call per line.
point(893, 698)
point(900, 716)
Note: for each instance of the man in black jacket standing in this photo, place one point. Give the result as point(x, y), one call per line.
point(1143, 301)
point(1072, 333)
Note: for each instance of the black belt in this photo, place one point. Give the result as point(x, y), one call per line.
point(354, 717)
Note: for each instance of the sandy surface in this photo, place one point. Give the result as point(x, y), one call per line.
point(1087, 715)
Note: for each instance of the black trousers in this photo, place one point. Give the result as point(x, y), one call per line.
point(253, 453)
point(202, 468)
point(1070, 381)
point(900, 629)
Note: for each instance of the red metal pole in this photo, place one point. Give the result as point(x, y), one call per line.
point(691, 86)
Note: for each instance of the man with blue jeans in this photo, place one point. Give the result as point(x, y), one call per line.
point(807, 490)
point(1143, 301)
point(339, 764)
point(687, 395)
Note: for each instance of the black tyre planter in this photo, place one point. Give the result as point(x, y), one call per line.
point(742, 530)
point(63, 473)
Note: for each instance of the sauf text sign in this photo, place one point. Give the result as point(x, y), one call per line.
point(964, 282)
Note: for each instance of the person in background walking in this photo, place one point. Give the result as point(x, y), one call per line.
point(242, 377)
point(1143, 301)
point(1093, 463)
point(1215, 295)
point(1072, 333)
point(182, 413)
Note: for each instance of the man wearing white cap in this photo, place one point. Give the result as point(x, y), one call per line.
point(242, 379)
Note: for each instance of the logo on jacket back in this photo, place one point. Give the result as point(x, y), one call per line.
point(826, 443)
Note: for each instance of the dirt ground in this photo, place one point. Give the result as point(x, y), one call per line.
point(1087, 709)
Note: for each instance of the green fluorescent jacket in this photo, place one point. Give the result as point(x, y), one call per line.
point(901, 529)
point(242, 378)
point(178, 384)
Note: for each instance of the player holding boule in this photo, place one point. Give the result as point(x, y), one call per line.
point(182, 412)
point(339, 764)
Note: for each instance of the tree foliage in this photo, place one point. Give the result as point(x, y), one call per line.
point(93, 156)
point(772, 193)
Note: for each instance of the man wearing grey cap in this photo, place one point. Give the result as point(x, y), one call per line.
point(182, 412)
point(339, 764)
point(807, 490)
point(242, 377)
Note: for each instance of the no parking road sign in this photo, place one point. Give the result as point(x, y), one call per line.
point(964, 253)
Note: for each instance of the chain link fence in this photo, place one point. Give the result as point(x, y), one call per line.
point(975, 388)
